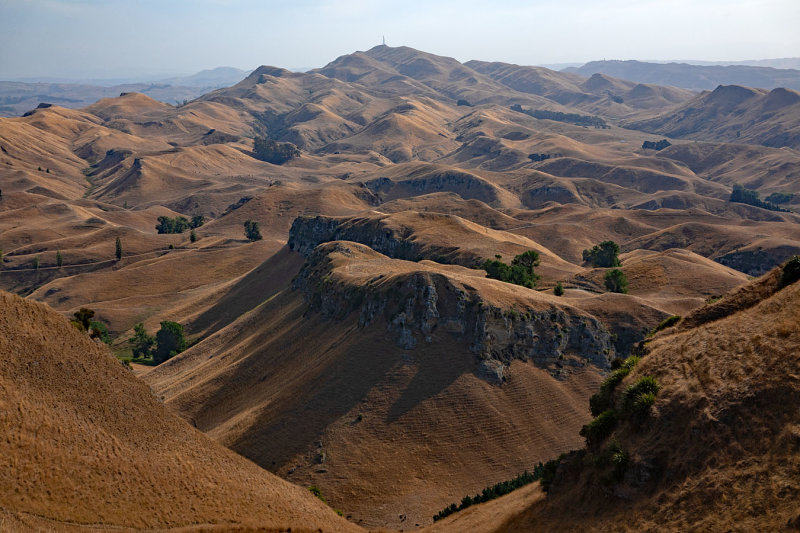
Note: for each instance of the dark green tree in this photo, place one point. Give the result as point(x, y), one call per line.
point(558, 290)
point(791, 271)
point(170, 341)
point(616, 281)
point(98, 330)
point(743, 195)
point(141, 343)
point(83, 317)
point(605, 254)
point(36, 263)
point(192, 236)
point(118, 246)
point(166, 224)
point(59, 258)
point(273, 152)
point(520, 271)
point(197, 221)
point(251, 230)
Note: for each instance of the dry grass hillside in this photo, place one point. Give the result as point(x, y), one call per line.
point(718, 450)
point(355, 345)
point(731, 113)
point(394, 386)
point(87, 446)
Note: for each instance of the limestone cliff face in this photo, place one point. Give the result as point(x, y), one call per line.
point(309, 231)
point(419, 304)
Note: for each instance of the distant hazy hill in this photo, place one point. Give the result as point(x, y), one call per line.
point(693, 76)
point(17, 97)
point(731, 113)
point(213, 78)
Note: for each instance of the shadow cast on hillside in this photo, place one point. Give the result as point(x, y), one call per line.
point(258, 285)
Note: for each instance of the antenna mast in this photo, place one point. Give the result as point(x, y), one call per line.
point(384, 40)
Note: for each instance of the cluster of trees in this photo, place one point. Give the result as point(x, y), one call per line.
point(542, 157)
point(251, 230)
point(656, 145)
point(463, 102)
point(167, 342)
point(791, 271)
point(179, 224)
point(544, 472)
point(604, 255)
point(558, 116)
point(82, 320)
point(274, 152)
point(779, 198)
point(520, 271)
point(743, 195)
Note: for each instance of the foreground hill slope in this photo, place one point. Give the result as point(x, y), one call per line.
point(720, 449)
point(87, 445)
point(394, 386)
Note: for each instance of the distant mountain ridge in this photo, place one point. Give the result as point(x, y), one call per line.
point(731, 113)
point(695, 77)
point(17, 97)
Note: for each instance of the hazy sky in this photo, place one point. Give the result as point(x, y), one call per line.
point(116, 38)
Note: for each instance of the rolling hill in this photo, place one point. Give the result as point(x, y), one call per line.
point(694, 77)
point(88, 447)
point(358, 345)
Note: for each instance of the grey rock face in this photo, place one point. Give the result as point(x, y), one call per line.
point(422, 305)
point(309, 231)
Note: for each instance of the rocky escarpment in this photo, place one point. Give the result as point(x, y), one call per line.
point(419, 301)
point(379, 234)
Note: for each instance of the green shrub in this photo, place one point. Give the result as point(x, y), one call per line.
point(616, 281)
point(497, 490)
point(559, 289)
point(646, 385)
point(642, 404)
point(599, 428)
point(602, 400)
point(98, 330)
point(791, 271)
point(615, 457)
point(59, 259)
point(666, 323)
point(313, 489)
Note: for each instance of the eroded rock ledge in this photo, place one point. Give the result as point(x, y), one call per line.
point(417, 301)
point(376, 232)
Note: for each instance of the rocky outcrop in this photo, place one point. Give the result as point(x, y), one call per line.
point(415, 306)
point(396, 242)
